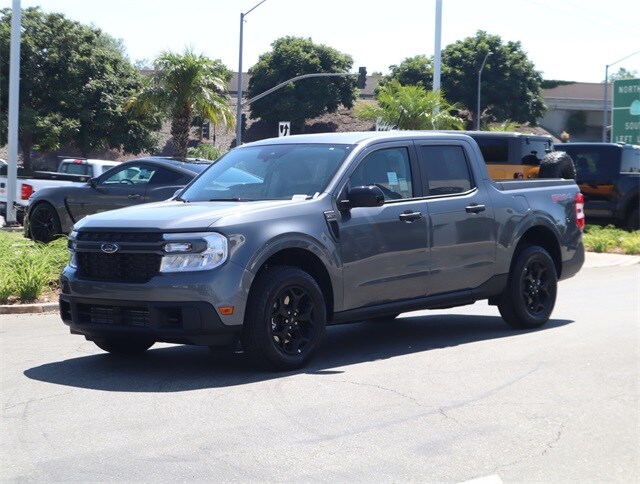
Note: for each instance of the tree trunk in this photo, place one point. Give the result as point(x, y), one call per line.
point(26, 143)
point(180, 126)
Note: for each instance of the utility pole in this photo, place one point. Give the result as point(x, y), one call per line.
point(239, 103)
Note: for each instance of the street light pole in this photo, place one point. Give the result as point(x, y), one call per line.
point(479, 80)
point(605, 107)
point(239, 93)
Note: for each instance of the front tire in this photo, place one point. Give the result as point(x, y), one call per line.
point(121, 346)
point(44, 223)
point(531, 290)
point(286, 318)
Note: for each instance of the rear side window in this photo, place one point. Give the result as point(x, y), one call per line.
point(533, 150)
point(494, 150)
point(447, 170)
point(76, 168)
point(630, 161)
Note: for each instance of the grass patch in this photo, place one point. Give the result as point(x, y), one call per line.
point(29, 269)
point(611, 239)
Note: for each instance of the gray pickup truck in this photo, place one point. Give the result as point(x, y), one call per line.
point(282, 237)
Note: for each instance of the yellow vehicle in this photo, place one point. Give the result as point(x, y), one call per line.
point(512, 155)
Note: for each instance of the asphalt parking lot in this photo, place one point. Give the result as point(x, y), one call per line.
point(435, 396)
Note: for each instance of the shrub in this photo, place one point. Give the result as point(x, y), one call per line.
point(28, 268)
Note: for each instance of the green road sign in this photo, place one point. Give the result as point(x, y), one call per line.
point(625, 118)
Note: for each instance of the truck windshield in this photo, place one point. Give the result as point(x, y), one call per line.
point(273, 172)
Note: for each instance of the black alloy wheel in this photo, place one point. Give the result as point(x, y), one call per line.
point(44, 223)
point(285, 320)
point(531, 291)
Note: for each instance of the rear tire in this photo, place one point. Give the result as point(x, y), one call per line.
point(44, 223)
point(121, 346)
point(557, 164)
point(531, 290)
point(286, 318)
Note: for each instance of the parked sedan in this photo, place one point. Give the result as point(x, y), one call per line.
point(54, 210)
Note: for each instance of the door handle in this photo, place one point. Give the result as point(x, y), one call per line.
point(410, 216)
point(475, 208)
point(133, 196)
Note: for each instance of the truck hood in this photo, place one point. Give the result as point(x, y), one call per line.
point(173, 215)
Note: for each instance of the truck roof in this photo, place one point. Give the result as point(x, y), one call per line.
point(354, 137)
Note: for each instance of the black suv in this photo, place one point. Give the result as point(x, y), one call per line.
point(609, 177)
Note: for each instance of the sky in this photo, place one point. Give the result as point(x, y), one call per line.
point(570, 40)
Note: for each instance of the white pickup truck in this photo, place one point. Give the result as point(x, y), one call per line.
point(70, 171)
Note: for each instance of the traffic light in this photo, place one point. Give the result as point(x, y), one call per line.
point(205, 130)
point(362, 77)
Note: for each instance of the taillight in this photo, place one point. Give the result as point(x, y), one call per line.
point(579, 202)
point(26, 191)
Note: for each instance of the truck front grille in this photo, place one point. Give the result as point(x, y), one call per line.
point(127, 267)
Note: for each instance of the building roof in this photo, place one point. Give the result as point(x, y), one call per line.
point(592, 91)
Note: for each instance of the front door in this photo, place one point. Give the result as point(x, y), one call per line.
point(384, 249)
point(116, 189)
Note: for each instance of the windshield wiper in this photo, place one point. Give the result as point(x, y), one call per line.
point(230, 199)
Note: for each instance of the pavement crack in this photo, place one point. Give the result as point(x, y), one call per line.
point(380, 387)
point(557, 438)
point(445, 415)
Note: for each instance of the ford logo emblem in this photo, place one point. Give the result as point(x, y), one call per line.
point(109, 248)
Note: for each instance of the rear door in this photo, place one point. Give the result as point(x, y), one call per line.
point(461, 220)
point(384, 250)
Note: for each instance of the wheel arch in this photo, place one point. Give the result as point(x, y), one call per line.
point(543, 237)
point(307, 261)
point(61, 209)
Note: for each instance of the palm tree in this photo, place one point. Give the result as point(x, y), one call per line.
point(183, 87)
point(411, 107)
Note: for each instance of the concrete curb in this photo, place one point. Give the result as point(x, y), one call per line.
point(28, 308)
point(592, 260)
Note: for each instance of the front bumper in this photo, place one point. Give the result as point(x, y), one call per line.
point(170, 308)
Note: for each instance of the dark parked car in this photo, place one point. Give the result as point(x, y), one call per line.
point(608, 175)
point(54, 210)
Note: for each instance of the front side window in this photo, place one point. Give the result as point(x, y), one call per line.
point(594, 164)
point(129, 175)
point(272, 172)
point(447, 170)
point(389, 170)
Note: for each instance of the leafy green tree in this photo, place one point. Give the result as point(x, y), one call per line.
point(511, 87)
point(306, 98)
point(185, 86)
point(413, 71)
point(623, 74)
point(73, 83)
point(411, 107)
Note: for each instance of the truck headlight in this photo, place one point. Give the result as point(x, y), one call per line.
point(193, 252)
point(71, 247)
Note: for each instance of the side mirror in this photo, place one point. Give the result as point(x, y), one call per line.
point(93, 182)
point(369, 196)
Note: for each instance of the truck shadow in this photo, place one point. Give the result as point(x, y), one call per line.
point(183, 368)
